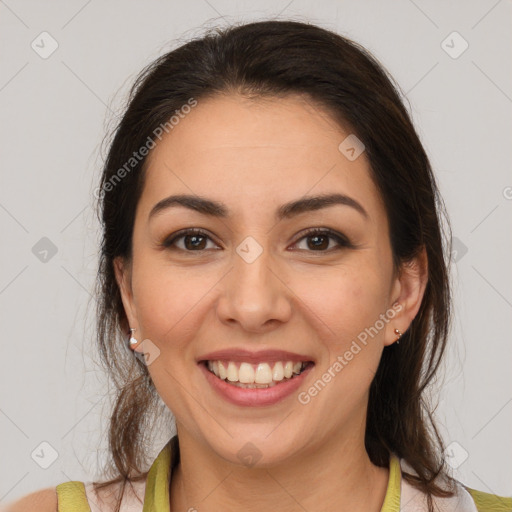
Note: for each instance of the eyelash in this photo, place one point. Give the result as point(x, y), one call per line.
point(342, 241)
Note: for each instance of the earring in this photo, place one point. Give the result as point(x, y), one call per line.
point(399, 334)
point(132, 341)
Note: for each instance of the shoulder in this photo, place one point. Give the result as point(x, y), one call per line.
point(79, 496)
point(463, 498)
point(44, 500)
point(486, 502)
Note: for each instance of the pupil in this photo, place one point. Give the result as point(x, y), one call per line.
point(196, 241)
point(317, 238)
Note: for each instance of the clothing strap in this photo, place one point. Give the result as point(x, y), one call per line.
point(156, 498)
point(400, 495)
point(486, 502)
point(71, 496)
point(392, 499)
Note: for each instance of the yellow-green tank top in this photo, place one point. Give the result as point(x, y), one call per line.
point(400, 496)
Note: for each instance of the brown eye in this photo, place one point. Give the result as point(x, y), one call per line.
point(318, 240)
point(193, 240)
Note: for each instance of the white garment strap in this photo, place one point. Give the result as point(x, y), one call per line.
point(413, 500)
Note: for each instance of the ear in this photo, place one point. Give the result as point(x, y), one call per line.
point(122, 270)
point(407, 295)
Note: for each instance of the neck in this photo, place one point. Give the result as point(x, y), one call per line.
point(335, 476)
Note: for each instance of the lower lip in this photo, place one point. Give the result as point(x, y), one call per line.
point(254, 396)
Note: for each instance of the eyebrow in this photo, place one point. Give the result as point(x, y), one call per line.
point(286, 211)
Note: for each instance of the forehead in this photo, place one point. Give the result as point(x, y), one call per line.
point(256, 151)
point(232, 124)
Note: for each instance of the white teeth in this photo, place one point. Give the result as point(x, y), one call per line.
point(232, 372)
point(278, 373)
point(222, 371)
point(246, 373)
point(262, 373)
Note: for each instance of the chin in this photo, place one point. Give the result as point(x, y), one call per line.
point(258, 451)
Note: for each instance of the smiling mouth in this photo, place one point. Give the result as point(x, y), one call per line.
point(261, 375)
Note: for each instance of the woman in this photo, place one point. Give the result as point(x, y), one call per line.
point(272, 248)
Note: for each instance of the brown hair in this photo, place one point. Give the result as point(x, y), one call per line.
point(273, 58)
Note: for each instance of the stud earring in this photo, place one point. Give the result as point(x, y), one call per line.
point(399, 334)
point(132, 341)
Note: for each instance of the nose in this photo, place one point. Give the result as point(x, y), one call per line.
point(254, 295)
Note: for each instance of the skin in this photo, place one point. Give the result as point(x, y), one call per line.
point(253, 156)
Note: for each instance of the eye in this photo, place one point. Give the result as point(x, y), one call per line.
point(321, 238)
point(194, 240)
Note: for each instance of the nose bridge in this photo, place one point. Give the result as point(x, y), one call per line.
point(252, 269)
point(253, 294)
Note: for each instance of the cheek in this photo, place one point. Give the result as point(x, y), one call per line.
point(345, 305)
point(346, 300)
point(168, 299)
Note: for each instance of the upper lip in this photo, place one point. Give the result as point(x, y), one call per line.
point(240, 354)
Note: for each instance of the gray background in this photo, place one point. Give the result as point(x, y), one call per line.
point(55, 112)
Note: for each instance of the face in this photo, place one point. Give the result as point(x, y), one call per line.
point(308, 281)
